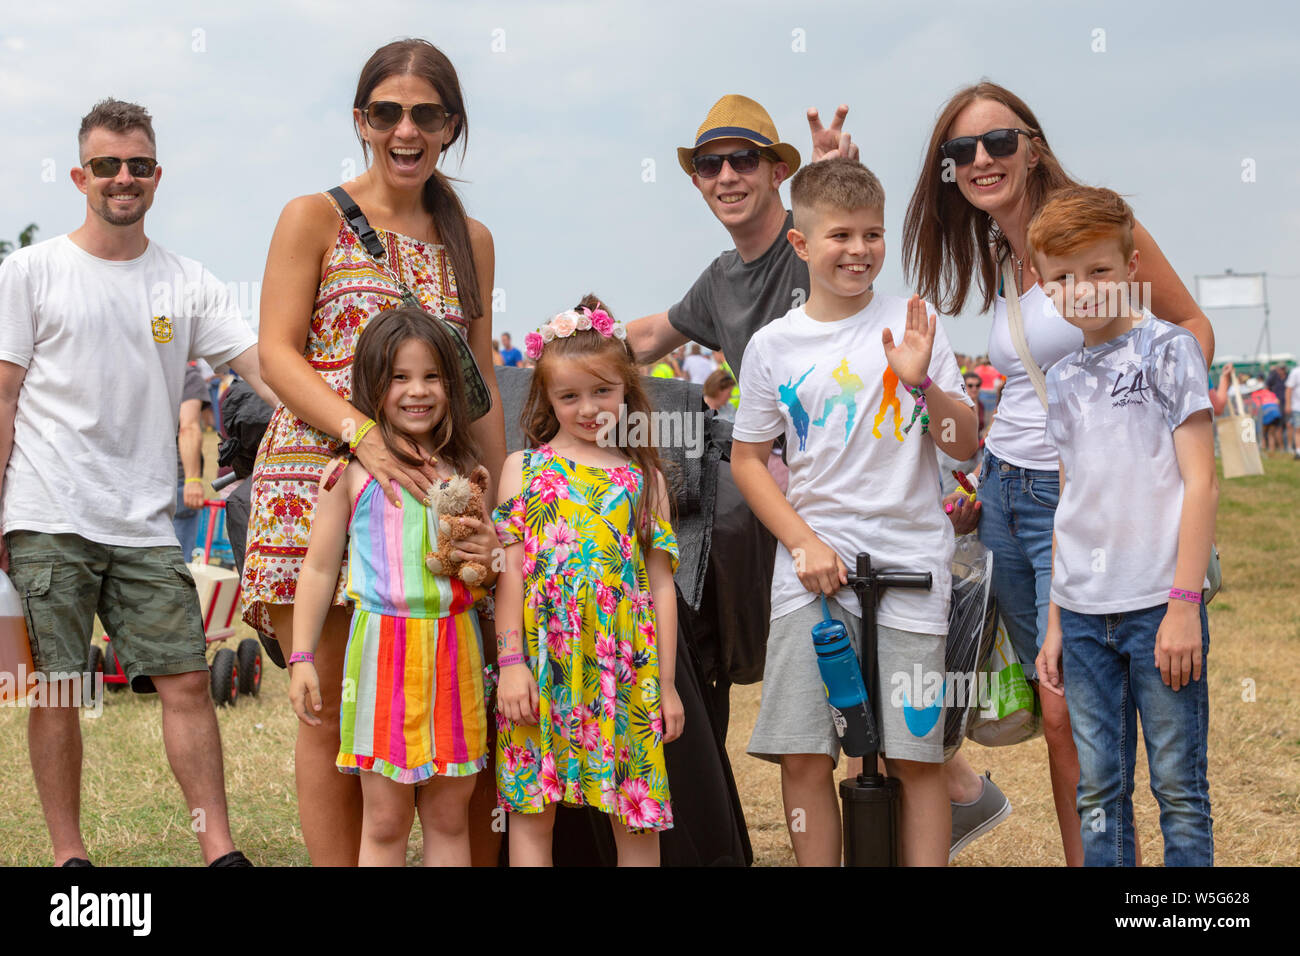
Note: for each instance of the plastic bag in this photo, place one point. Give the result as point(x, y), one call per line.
point(1009, 712)
point(972, 620)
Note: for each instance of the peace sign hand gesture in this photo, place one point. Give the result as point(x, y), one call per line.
point(910, 358)
point(827, 143)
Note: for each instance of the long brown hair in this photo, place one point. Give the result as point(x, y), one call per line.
point(945, 238)
point(599, 355)
point(416, 57)
point(372, 374)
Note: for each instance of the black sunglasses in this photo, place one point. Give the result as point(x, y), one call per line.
point(997, 142)
point(384, 115)
point(106, 167)
point(742, 161)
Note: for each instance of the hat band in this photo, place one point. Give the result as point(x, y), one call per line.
point(725, 132)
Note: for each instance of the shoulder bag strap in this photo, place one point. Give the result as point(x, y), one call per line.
point(1017, 327)
point(360, 225)
point(478, 398)
point(357, 222)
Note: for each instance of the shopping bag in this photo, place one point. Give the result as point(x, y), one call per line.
point(1237, 445)
point(1009, 711)
point(972, 626)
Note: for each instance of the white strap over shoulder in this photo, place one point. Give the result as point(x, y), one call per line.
point(1017, 326)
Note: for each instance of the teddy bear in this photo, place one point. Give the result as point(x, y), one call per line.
point(455, 497)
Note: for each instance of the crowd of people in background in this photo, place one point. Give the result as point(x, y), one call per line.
point(1270, 401)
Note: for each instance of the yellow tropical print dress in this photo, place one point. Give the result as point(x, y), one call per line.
point(589, 635)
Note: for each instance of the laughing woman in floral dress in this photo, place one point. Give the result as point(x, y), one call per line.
point(322, 287)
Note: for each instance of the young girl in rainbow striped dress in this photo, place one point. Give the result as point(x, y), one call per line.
point(412, 706)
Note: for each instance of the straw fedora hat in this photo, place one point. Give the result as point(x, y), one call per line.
point(738, 117)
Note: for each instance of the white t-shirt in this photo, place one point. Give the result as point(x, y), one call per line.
point(1112, 411)
point(1293, 387)
point(105, 345)
point(697, 368)
point(856, 478)
point(1016, 435)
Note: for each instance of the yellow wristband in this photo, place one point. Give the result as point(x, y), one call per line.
point(368, 424)
point(188, 480)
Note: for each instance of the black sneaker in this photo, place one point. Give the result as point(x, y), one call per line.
point(233, 858)
point(76, 861)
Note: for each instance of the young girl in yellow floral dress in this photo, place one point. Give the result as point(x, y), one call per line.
point(586, 611)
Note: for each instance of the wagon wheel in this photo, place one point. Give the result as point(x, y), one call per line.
point(225, 678)
point(94, 665)
point(250, 667)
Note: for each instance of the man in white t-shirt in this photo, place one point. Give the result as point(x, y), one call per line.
point(96, 328)
point(696, 367)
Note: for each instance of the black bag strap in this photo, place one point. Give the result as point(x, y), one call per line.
point(360, 225)
point(357, 222)
point(478, 398)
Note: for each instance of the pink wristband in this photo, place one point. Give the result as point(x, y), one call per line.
point(1179, 594)
point(926, 384)
point(306, 656)
point(507, 659)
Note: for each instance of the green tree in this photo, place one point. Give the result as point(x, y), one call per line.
point(24, 239)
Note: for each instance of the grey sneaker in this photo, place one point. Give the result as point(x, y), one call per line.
point(970, 821)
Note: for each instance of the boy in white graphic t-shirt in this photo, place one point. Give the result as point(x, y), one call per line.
point(1129, 414)
point(856, 382)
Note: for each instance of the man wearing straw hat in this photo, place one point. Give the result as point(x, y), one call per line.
point(738, 163)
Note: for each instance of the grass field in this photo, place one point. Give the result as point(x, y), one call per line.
point(133, 814)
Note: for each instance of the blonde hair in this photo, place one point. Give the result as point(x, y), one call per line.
point(839, 183)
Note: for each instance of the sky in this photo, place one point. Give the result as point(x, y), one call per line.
point(575, 111)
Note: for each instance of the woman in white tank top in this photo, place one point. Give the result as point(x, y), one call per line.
point(988, 169)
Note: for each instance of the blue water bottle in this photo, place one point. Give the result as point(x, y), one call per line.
point(845, 692)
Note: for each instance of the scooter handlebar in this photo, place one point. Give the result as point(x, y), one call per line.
point(904, 579)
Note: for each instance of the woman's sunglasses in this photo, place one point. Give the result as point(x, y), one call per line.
point(997, 142)
point(742, 161)
point(106, 167)
point(384, 115)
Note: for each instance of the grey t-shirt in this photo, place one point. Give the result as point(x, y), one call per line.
point(733, 299)
point(1111, 414)
point(194, 387)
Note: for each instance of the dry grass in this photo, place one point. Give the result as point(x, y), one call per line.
point(133, 813)
point(1254, 748)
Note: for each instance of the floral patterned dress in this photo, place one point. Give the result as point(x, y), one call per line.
point(292, 456)
point(589, 635)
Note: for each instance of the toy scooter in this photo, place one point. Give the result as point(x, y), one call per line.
point(870, 801)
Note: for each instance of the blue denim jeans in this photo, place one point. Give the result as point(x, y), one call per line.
point(185, 522)
point(1110, 680)
point(1017, 507)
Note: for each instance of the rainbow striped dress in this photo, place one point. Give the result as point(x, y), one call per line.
point(413, 701)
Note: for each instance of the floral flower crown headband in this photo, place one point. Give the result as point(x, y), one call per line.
point(566, 323)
